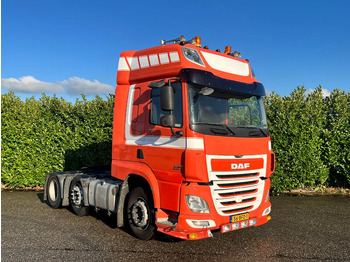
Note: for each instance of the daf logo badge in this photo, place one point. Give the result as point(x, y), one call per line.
point(240, 166)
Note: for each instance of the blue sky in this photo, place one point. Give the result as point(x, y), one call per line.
point(73, 47)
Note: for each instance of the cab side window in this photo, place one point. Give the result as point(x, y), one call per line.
point(157, 112)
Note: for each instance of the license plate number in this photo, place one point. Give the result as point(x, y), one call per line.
point(239, 217)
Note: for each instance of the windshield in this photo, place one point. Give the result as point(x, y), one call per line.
point(218, 112)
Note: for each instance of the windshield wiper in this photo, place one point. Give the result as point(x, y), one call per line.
point(254, 127)
point(217, 124)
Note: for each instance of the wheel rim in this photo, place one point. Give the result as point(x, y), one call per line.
point(77, 195)
point(53, 190)
point(140, 214)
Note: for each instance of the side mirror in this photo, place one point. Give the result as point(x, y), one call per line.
point(167, 98)
point(167, 121)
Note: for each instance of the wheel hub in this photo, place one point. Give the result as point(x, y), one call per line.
point(53, 190)
point(77, 195)
point(140, 213)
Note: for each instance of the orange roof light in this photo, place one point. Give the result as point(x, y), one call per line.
point(227, 49)
point(197, 41)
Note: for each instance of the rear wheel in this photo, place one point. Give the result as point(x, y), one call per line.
point(53, 192)
point(141, 214)
point(76, 198)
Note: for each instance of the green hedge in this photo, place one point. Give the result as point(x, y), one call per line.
point(310, 136)
point(311, 139)
point(50, 134)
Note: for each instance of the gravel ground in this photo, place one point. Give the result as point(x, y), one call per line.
point(301, 229)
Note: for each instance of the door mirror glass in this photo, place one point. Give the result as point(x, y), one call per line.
point(167, 98)
point(167, 121)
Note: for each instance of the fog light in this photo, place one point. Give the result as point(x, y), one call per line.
point(235, 226)
point(192, 236)
point(199, 223)
point(268, 218)
point(226, 228)
point(252, 222)
point(244, 224)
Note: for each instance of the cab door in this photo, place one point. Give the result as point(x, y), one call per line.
point(162, 151)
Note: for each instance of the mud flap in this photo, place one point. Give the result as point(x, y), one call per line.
point(124, 190)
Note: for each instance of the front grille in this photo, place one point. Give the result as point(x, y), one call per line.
point(237, 209)
point(236, 192)
point(239, 184)
point(234, 202)
point(237, 175)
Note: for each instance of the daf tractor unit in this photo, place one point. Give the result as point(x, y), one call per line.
point(191, 150)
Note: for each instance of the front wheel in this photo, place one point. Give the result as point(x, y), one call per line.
point(76, 198)
point(141, 214)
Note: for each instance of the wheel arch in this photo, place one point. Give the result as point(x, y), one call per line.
point(133, 180)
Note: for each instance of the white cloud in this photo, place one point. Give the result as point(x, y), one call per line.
point(28, 84)
point(325, 92)
point(77, 85)
point(72, 86)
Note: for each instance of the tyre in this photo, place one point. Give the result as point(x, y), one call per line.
point(140, 211)
point(76, 198)
point(53, 192)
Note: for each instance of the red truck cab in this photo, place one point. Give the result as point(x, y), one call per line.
point(190, 140)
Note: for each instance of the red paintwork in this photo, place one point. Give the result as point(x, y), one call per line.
point(169, 186)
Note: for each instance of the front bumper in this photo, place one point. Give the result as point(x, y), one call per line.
point(191, 225)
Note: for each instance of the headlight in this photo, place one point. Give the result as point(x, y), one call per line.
point(197, 204)
point(192, 55)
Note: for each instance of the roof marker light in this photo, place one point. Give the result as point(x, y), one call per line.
point(227, 49)
point(218, 50)
point(196, 41)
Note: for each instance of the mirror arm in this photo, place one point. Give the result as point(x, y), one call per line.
point(177, 134)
